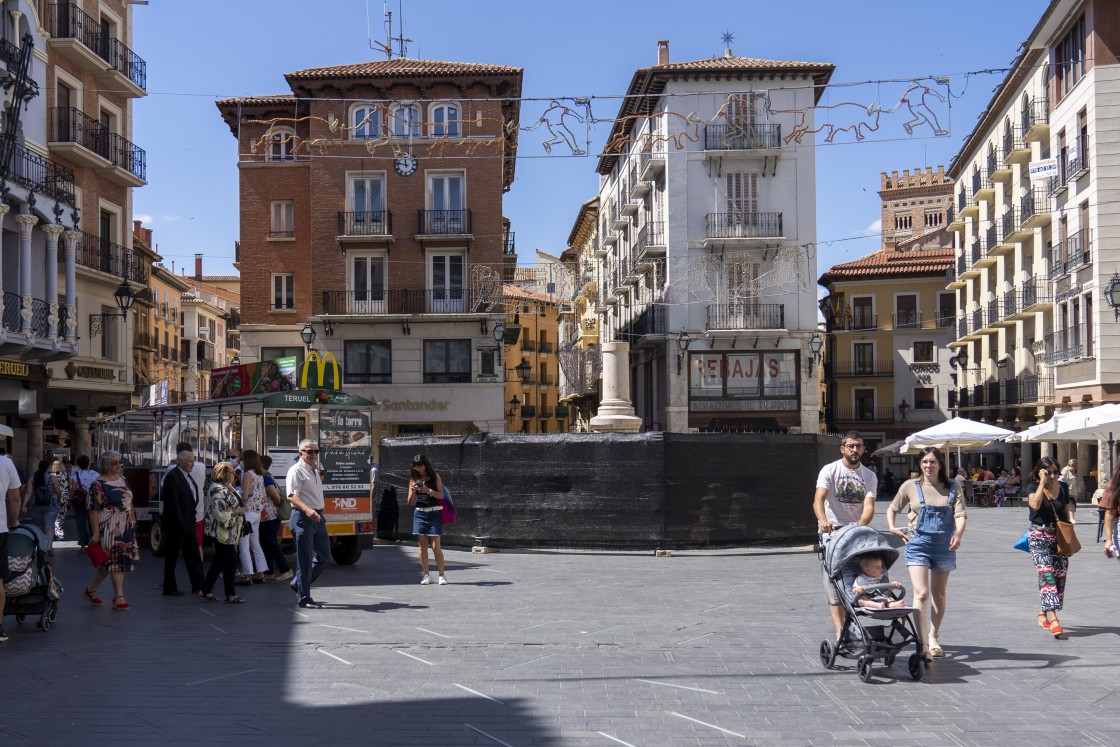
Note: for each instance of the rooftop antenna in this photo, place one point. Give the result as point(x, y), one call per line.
point(400, 39)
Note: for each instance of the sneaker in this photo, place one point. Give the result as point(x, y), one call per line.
point(285, 576)
point(3, 636)
point(425, 580)
point(442, 581)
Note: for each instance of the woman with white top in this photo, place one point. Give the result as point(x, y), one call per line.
point(253, 497)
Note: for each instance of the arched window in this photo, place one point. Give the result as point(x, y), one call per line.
point(406, 121)
point(445, 120)
point(365, 122)
point(281, 145)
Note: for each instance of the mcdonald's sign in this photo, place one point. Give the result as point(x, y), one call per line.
point(323, 373)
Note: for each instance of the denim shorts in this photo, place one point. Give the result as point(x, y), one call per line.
point(428, 523)
point(931, 551)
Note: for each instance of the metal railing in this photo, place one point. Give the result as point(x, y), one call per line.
point(865, 414)
point(69, 124)
point(397, 301)
point(164, 350)
point(1034, 291)
point(743, 315)
point(1010, 392)
point(910, 319)
point(13, 305)
point(1035, 112)
point(443, 222)
point(742, 136)
point(980, 182)
point(369, 223)
point(1066, 344)
point(68, 21)
point(1035, 202)
point(993, 394)
point(1036, 388)
point(946, 318)
point(1010, 303)
point(864, 319)
point(124, 154)
point(962, 328)
point(1078, 164)
point(743, 225)
point(1012, 141)
point(562, 411)
point(528, 345)
point(964, 197)
point(653, 320)
point(993, 164)
point(143, 339)
point(127, 63)
point(102, 254)
point(39, 174)
point(650, 234)
point(1011, 222)
point(863, 368)
point(1076, 251)
point(976, 395)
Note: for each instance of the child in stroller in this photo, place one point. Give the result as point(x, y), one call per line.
point(869, 591)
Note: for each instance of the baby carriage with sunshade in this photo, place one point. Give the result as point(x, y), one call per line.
point(30, 587)
point(867, 633)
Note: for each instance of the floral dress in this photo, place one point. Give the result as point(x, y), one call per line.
point(220, 523)
point(117, 523)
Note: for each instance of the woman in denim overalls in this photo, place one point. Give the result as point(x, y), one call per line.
point(933, 534)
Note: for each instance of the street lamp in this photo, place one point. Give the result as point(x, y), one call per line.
point(815, 346)
point(125, 298)
point(683, 341)
point(307, 334)
point(523, 369)
point(514, 406)
point(903, 408)
point(1112, 295)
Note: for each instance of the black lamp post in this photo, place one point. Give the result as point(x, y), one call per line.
point(903, 408)
point(1112, 295)
point(514, 406)
point(523, 369)
point(307, 334)
point(683, 341)
point(815, 346)
point(125, 298)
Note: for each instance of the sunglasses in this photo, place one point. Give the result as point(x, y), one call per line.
point(310, 451)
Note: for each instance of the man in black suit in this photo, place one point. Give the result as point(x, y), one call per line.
point(180, 497)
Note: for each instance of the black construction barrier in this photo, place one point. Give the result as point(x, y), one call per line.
point(619, 491)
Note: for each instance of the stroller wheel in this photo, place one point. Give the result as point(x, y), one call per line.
point(917, 666)
point(52, 613)
point(865, 663)
point(827, 655)
point(19, 619)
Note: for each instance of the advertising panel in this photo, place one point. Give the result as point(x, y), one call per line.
point(253, 378)
point(344, 449)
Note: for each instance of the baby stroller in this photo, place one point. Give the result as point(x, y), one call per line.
point(867, 633)
point(30, 587)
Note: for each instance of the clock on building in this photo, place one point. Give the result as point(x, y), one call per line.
point(405, 165)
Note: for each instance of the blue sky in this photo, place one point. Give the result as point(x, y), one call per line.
point(203, 50)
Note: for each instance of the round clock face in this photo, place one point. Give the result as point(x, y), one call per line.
point(405, 165)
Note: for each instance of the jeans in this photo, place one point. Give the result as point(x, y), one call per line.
point(270, 543)
point(44, 518)
point(313, 547)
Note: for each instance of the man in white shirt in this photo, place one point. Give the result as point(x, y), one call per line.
point(9, 487)
point(309, 528)
point(845, 494)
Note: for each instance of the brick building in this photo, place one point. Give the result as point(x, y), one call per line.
point(371, 202)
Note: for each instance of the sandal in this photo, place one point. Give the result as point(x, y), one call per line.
point(92, 597)
point(207, 597)
point(1043, 622)
point(236, 600)
point(121, 605)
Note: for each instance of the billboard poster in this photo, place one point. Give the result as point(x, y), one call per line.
point(344, 448)
point(253, 378)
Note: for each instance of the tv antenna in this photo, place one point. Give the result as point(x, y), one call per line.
point(400, 40)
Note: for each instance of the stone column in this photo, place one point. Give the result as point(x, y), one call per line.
point(70, 242)
point(4, 208)
point(676, 411)
point(26, 223)
point(52, 231)
point(82, 443)
point(34, 442)
point(615, 411)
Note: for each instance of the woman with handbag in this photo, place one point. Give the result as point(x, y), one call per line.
point(425, 488)
point(1049, 507)
point(254, 498)
point(936, 524)
point(112, 521)
point(224, 520)
point(270, 526)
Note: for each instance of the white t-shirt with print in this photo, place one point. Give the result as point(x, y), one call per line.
point(847, 489)
point(9, 478)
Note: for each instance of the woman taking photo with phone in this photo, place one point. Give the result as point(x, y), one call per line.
point(1049, 502)
point(425, 488)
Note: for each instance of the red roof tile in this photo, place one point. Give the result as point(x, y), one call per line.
point(741, 63)
point(280, 98)
point(889, 263)
point(401, 68)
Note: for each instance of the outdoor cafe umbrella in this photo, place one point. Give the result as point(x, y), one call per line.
point(892, 449)
point(962, 433)
point(1094, 424)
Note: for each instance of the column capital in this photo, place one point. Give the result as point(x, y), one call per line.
point(53, 230)
point(27, 222)
point(4, 208)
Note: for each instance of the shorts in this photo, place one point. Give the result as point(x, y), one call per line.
point(829, 589)
point(931, 551)
point(3, 560)
point(428, 523)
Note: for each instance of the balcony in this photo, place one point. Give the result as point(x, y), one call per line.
point(129, 163)
point(81, 39)
point(910, 319)
point(206, 364)
point(1055, 186)
point(1036, 389)
point(509, 245)
point(397, 301)
point(528, 345)
point(443, 222)
point(360, 225)
point(863, 369)
point(144, 340)
point(863, 318)
point(1013, 231)
point(1009, 305)
point(865, 414)
point(745, 316)
point(85, 141)
point(546, 412)
point(965, 204)
point(1066, 344)
point(528, 411)
point(744, 226)
point(1076, 251)
point(743, 136)
point(1034, 295)
point(562, 411)
point(998, 169)
point(993, 394)
point(618, 221)
point(1035, 120)
point(653, 320)
point(1078, 162)
point(650, 241)
point(164, 351)
point(996, 239)
point(946, 318)
point(1034, 209)
point(983, 188)
point(12, 318)
point(103, 255)
point(976, 395)
point(962, 328)
point(38, 174)
point(956, 280)
point(1015, 148)
point(651, 163)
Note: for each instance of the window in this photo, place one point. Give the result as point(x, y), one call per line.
point(283, 291)
point(367, 284)
point(447, 361)
point(863, 358)
point(368, 362)
point(925, 398)
point(863, 313)
point(742, 196)
point(283, 220)
point(488, 366)
point(281, 145)
point(741, 109)
point(946, 309)
point(365, 122)
point(406, 121)
point(446, 202)
point(445, 120)
point(923, 351)
point(1069, 58)
point(448, 284)
point(906, 311)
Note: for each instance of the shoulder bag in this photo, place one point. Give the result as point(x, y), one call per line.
point(1067, 541)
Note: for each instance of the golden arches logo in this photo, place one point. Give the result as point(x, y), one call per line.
point(321, 379)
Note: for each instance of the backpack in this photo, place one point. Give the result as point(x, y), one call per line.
point(44, 496)
point(80, 498)
point(448, 514)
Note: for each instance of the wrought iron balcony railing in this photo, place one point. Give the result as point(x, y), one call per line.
point(1076, 251)
point(396, 301)
point(1034, 202)
point(68, 21)
point(1066, 344)
point(863, 368)
point(743, 315)
point(101, 254)
point(742, 136)
point(39, 174)
point(444, 222)
point(1012, 141)
point(910, 319)
point(1035, 112)
point(69, 124)
point(368, 223)
point(865, 414)
point(124, 154)
point(743, 225)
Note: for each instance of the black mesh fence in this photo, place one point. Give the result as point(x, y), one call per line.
point(618, 491)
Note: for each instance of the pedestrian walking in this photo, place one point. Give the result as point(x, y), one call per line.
point(270, 526)
point(224, 520)
point(313, 545)
point(935, 526)
point(254, 498)
point(41, 502)
point(1049, 501)
point(180, 498)
point(845, 494)
point(9, 519)
point(85, 477)
point(424, 491)
point(113, 522)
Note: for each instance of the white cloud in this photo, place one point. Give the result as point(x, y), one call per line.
point(144, 219)
point(170, 218)
point(876, 227)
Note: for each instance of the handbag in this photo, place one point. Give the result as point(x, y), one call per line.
point(448, 514)
point(1067, 542)
point(97, 554)
point(284, 510)
point(1023, 543)
point(80, 499)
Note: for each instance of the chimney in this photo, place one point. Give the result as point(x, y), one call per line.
point(663, 52)
point(198, 267)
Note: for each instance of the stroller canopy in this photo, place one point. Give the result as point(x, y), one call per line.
point(849, 541)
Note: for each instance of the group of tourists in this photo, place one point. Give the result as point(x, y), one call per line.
point(935, 522)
